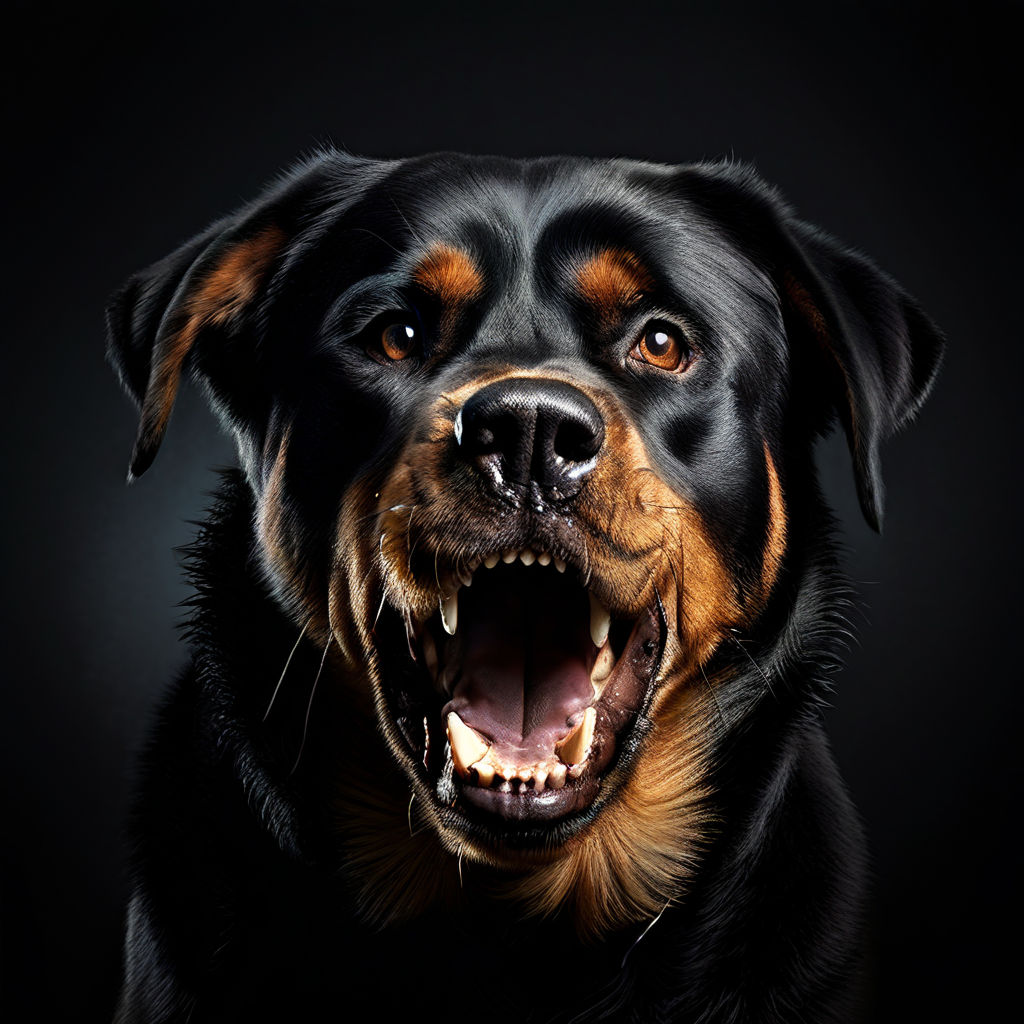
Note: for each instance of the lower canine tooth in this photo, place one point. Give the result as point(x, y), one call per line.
point(575, 747)
point(450, 613)
point(603, 665)
point(600, 622)
point(467, 745)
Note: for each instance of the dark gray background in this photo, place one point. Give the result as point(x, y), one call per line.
point(131, 126)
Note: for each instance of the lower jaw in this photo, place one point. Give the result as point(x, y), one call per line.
point(532, 806)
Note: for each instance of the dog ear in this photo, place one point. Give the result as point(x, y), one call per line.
point(887, 350)
point(155, 321)
point(883, 350)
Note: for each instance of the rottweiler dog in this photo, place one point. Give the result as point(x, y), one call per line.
point(512, 628)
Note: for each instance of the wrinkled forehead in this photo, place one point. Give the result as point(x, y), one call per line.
point(597, 232)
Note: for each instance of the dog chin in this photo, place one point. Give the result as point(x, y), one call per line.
point(519, 698)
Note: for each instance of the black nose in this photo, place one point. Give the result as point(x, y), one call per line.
point(525, 431)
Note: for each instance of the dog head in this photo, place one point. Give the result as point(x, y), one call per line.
point(529, 446)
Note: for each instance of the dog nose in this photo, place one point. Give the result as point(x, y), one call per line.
point(524, 430)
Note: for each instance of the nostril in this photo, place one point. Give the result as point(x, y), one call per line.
point(577, 441)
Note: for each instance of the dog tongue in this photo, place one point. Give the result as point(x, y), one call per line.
point(525, 656)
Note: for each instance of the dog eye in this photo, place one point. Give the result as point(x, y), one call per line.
point(663, 346)
point(399, 340)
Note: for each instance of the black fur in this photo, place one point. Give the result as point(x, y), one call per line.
point(242, 909)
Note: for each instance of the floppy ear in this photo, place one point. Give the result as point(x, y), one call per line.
point(155, 322)
point(885, 348)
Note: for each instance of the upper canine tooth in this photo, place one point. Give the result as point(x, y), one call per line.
point(468, 746)
point(559, 565)
point(491, 561)
point(466, 578)
point(527, 557)
point(543, 558)
point(509, 557)
point(575, 747)
point(600, 622)
point(450, 613)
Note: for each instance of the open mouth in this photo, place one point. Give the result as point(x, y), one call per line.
point(519, 695)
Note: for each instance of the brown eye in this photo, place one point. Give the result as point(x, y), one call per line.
point(663, 346)
point(398, 341)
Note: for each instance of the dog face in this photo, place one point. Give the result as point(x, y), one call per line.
point(527, 443)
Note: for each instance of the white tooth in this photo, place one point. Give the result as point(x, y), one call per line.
point(466, 578)
point(575, 747)
point(543, 558)
point(468, 746)
point(540, 776)
point(509, 557)
point(491, 561)
point(559, 565)
point(527, 557)
point(450, 613)
point(603, 666)
point(484, 773)
point(556, 777)
point(600, 622)
point(505, 787)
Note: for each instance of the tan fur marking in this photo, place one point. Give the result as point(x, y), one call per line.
point(611, 281)
point(775, 544)
point(450, 274)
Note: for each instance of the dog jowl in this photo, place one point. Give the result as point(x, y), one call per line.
point(511, 629)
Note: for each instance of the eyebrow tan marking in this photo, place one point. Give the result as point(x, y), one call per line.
point(450, 274)
point(612, 280)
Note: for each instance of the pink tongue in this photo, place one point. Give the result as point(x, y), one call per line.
point(524, 666)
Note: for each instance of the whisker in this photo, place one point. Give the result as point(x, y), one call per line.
point(405, 219)
point(284, 671)
point(714, 697)
point(309, 706)
point(379, 239)
point(383, 511)
point(412, 796)
point(760, 670)
point(643, 934)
